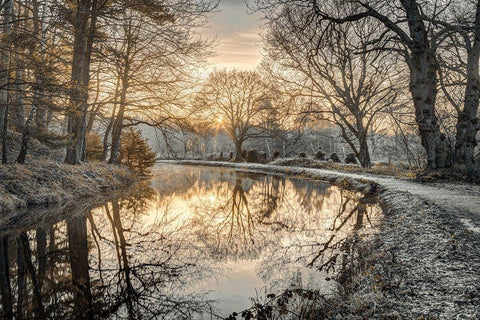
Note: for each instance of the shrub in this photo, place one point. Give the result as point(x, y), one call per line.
point(319, 155)
point(350, 158)
point(275, 155)
point(256, 156)
point(135, 152)
point(94, 147)
point(335, 158)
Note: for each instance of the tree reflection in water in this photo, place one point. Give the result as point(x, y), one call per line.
point(149, 253)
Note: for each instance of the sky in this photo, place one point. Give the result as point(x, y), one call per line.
point(239, 44)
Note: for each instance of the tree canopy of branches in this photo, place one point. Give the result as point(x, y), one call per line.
point(70, 67)
point(239, 101)
point(405, 30)
point(151, 56)
point(344, 85)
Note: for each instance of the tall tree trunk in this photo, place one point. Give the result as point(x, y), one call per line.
point(363, 152)
point(117, 135)
point(3, 127)
point(118, 124)
point(18, 105)
point(38, 102)
point(467, 123)
point(22, 156)
point(4, 77)
point(82, 50)
point(423, 87)
point(93, 113)
point(238, 150)
point(78, 248)
point(107, 135)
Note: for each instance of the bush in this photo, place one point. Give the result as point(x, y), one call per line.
point(135, 152)
point(319, 155)
point(335, 158)
point(302, 155)
point(256, 156)
point(275, 155)
point(94, 147)
point(350, 158)
point(244, 154)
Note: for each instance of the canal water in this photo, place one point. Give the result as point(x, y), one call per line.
point(190, 243)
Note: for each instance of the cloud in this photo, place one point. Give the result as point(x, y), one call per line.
point(251, 36)
point(238, 41)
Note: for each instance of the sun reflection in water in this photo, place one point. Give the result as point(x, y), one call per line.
point(194, 242)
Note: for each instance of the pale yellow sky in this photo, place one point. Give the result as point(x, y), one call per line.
point(239, 44)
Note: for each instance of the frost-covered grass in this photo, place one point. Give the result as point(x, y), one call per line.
point(396, 170)
point(48, 182)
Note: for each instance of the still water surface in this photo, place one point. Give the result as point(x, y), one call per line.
point(192, 243)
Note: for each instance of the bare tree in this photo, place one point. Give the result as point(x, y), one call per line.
point(84, 31)
point(237, 100)
point(460, 80)
point(150, 52)
point(345, 85)
point(404, 31)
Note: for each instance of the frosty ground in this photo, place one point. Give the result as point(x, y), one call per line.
point(424, 261)
point(46, 180)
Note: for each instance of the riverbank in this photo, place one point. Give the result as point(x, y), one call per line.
point(422, 263)
point(43, 182)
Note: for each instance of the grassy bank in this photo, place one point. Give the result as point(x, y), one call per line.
point(400, 171)
point(43, 182)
